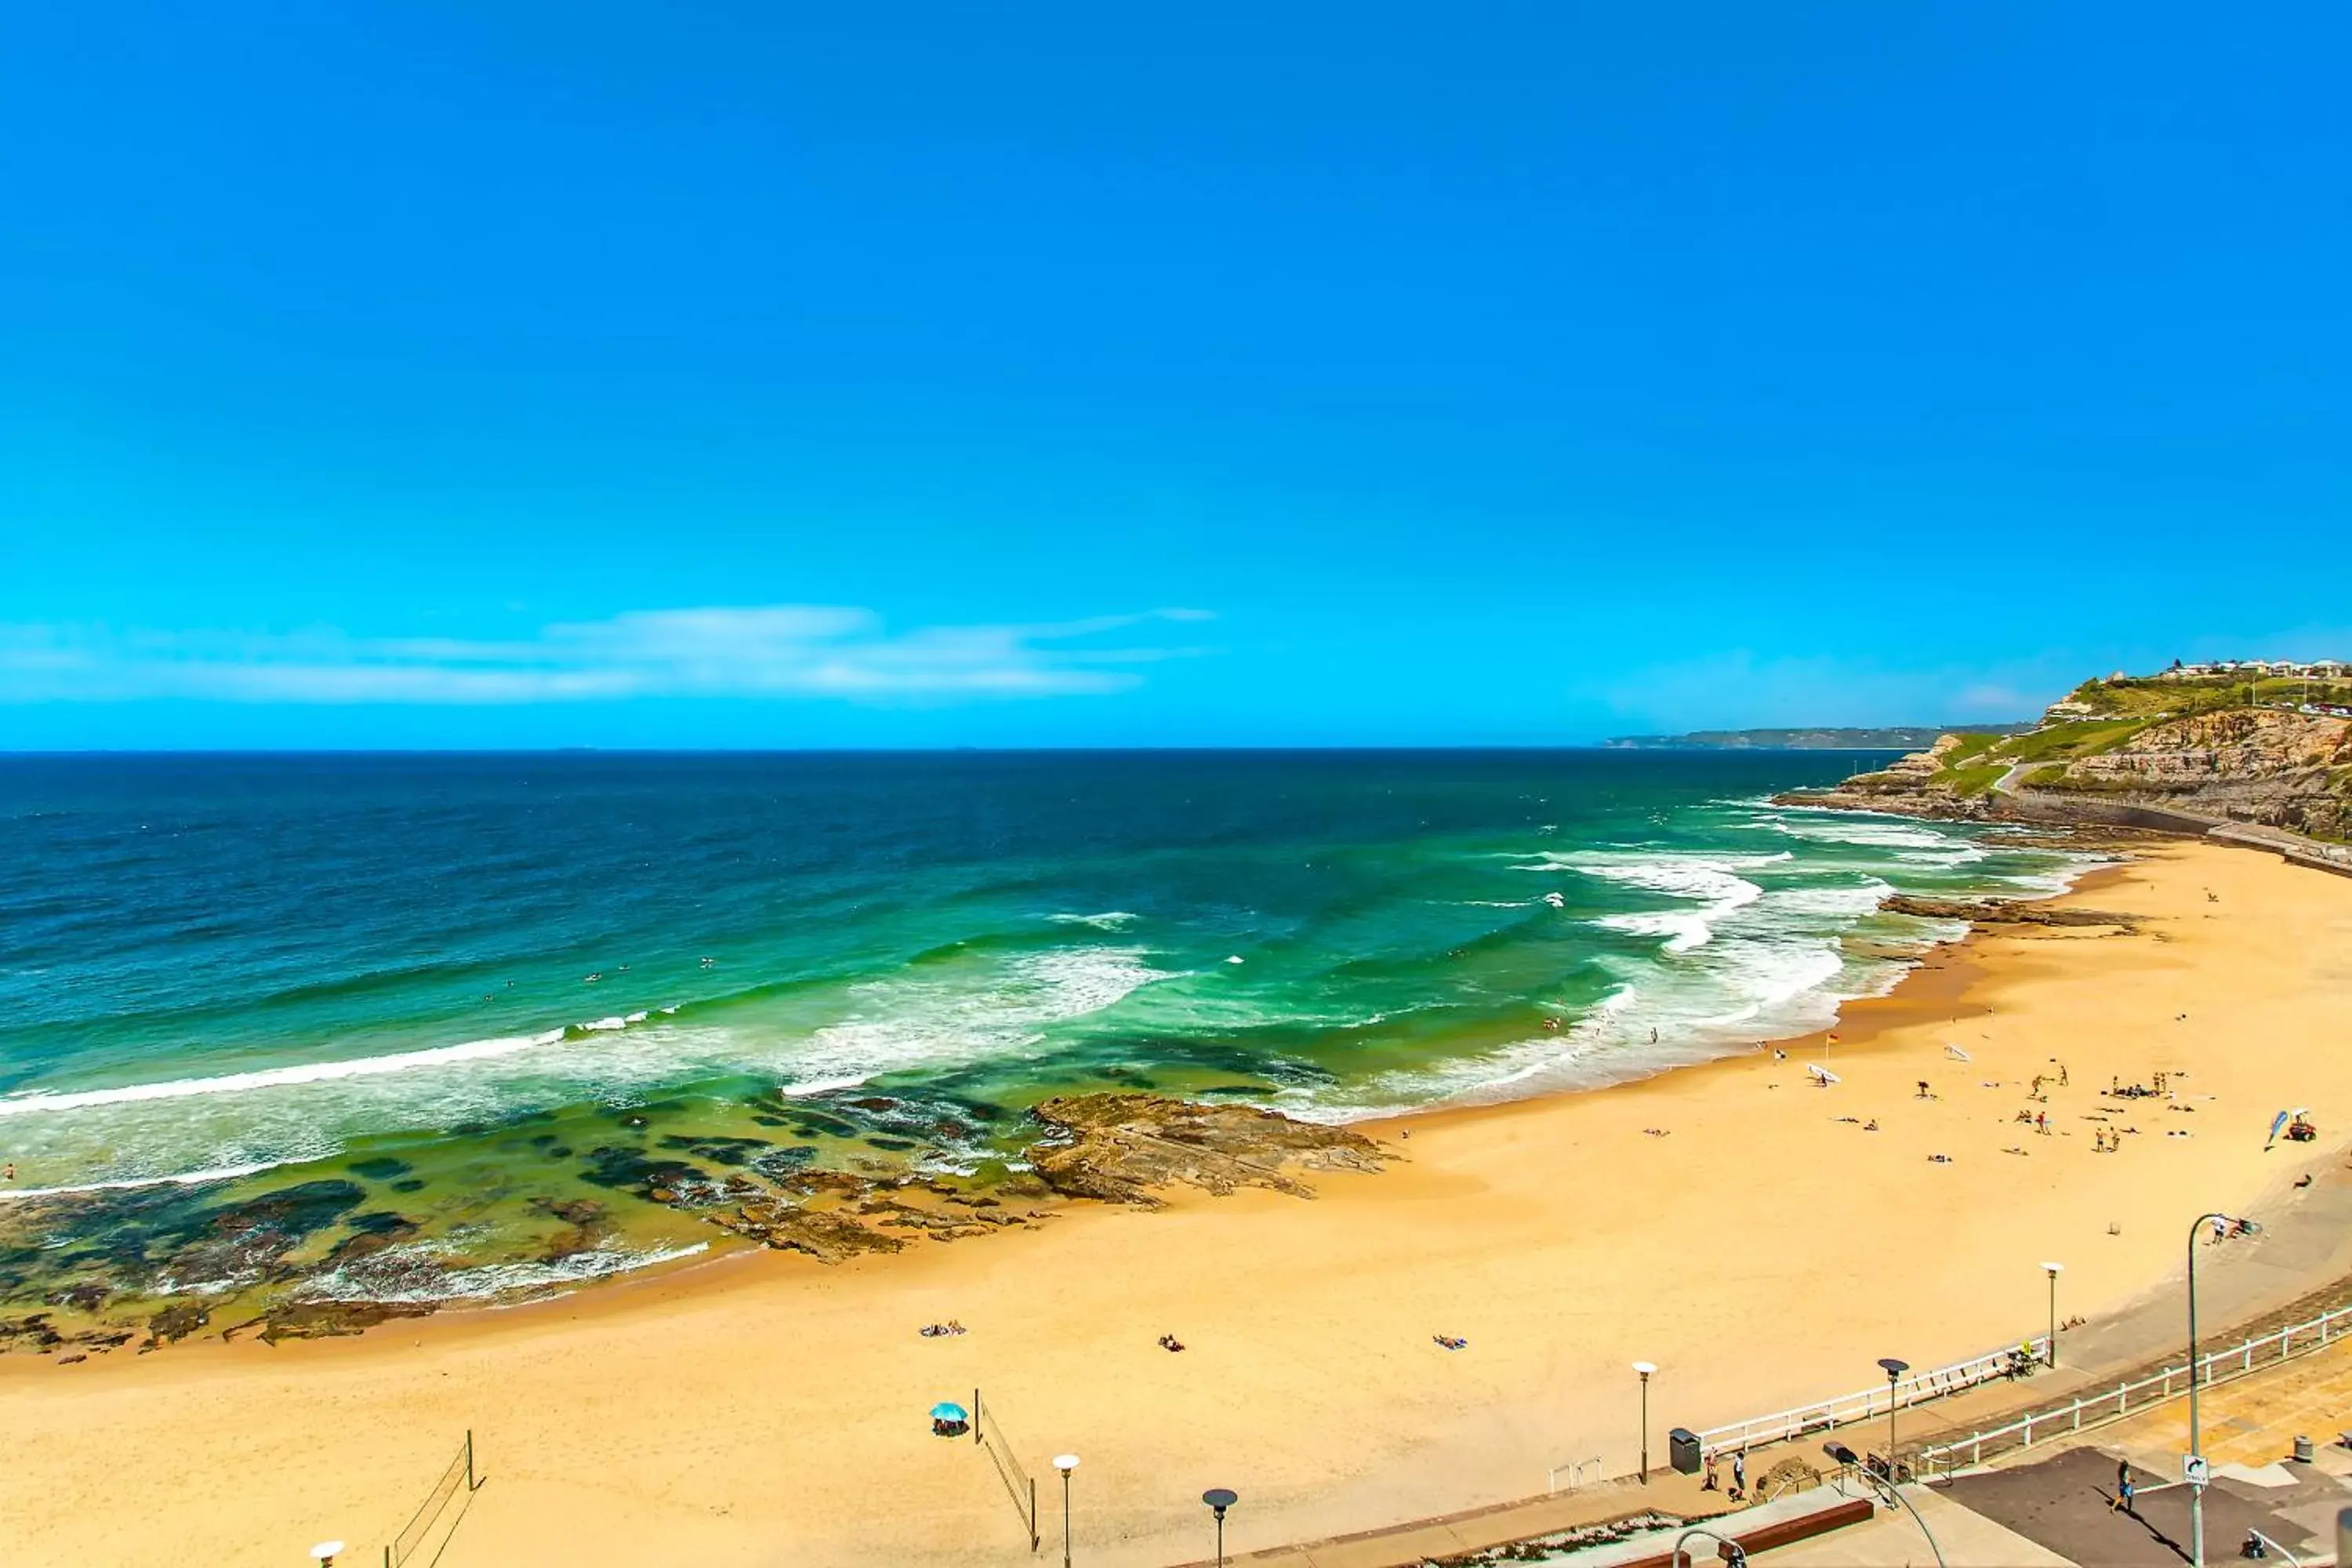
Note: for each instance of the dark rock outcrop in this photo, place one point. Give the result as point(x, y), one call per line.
point(1117, 1147)
point(331, 1319)
point(1984, 913)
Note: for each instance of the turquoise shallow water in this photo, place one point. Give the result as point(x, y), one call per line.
point(222, 976)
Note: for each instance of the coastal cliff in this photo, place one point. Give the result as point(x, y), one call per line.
point(2277, 753)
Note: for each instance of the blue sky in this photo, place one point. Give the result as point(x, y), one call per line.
point(428, 374)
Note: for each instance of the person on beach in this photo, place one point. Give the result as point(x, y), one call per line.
point(1738, 1475)
point(1709, 1484)
point(2124, 1485)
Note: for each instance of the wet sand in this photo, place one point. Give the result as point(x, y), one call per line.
point(1763, 1252)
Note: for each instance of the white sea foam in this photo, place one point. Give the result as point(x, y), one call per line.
point(906, 1022)
point(936, 1016)
point(1682, 932)
point(1109, 919)
point(1952, 855)
point(1709, 880)
point(1865, 832)
point(414, 1271)
point(1836, 901)
point(183, 1179)
point(40, 1101)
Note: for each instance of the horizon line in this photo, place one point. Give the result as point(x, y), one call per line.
point(1614, 744)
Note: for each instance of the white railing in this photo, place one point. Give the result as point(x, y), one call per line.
point(1914, 1388)
point(2109, 1405)
point(1574, 1471)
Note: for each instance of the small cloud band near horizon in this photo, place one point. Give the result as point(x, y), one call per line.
point(809, 651)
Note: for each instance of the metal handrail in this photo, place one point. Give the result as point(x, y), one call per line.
point(1916, 1387)
point(2213, 1367)
point(1575, 1469)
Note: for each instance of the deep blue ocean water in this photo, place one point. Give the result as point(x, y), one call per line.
point(277, 965)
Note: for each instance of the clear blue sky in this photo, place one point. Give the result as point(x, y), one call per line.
point(759, 374)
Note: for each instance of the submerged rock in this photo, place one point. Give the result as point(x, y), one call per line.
point(87, 1296)
point(371, 1234)
point(175, 1323)
point(1117, 1147)
point(1996, 912)
point(828, 1235)
point(331, 1319)
point(32, 1331)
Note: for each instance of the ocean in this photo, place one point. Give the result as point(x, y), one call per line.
point(432, 1026)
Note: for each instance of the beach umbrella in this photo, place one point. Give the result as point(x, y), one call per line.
point(944, 1411)
point(1957, 1053)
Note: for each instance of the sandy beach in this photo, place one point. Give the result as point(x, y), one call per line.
point(1764, 1250)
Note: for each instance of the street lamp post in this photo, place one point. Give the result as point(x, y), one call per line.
point(2196, 1486)
point(2052, 1269)
point(1894, 1371)
point(1646, 1369)
point(1220, 1499)
point(1066, 1463)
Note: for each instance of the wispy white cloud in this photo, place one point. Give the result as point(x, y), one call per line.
point(767, 650)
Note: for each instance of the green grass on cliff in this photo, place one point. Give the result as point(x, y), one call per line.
point(1969, 781)
point(2064, 743)
point(1974, 744)
point(2150, 698)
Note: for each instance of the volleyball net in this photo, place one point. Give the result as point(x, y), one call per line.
point(457, 1479)
point(1019, 1484)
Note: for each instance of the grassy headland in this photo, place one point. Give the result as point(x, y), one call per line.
point(2272, 750)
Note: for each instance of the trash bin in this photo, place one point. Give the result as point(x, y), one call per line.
point(2301, 1449)
point(1682, 1446)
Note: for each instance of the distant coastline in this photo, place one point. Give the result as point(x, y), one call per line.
point(1890, 738)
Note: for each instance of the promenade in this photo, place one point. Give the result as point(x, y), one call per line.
point(2245, 1287)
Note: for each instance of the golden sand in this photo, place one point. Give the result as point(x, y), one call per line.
point(1763, 1252)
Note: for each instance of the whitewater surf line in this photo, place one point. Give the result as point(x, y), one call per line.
point(44, 1100)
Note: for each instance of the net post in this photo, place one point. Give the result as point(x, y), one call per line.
point(1033, 1537)
point(975, 1417)
point(470, 1482)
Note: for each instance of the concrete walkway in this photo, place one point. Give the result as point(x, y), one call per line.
point(1970, 1540)
point(2306, 1237)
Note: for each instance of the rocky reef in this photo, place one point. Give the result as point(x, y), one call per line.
point(1984, 912)
point(1116, 1148)
point(314, 1258)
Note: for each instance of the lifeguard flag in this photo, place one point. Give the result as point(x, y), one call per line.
point(1834, 1039)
